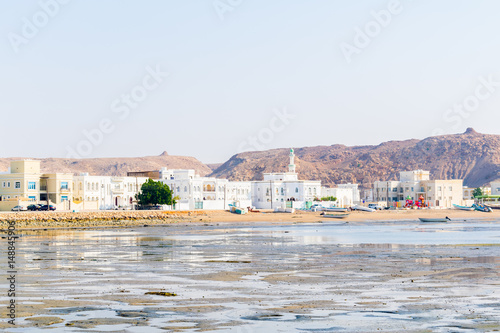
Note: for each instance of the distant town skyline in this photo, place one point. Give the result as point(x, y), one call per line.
point(210, 79)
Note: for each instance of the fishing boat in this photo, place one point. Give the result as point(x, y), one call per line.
point(446, 219)
point(336, 216)
point(363, 208)
point(482, 208)
point(335, 209)
point(237, 210)
point(284, 210)
point(464, 207)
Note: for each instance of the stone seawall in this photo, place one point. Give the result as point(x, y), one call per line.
point(28, 220)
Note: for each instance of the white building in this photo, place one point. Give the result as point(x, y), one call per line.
point(284, 189)
point(495, 188)
point(209, 193)
point(417, 184)
point(347, 194)
point(106, 192)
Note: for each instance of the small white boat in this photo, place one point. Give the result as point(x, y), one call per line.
point(284, 210)
point(471, 208)
point(335, 209)
point(446, 219)
point(336, 216)
point(363, 208)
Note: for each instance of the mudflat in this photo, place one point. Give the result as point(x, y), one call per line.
point(40, 220)
point(361, 276)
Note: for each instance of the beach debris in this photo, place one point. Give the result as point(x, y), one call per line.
point(161, 293)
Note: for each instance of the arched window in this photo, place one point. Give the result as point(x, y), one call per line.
point(296, 190)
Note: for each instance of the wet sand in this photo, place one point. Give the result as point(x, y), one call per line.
point(261, 277)
point(110, 219)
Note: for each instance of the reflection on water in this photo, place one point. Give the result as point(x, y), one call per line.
point(262, 278)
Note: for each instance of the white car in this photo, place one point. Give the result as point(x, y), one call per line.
point(375, 206)
point(19, 209)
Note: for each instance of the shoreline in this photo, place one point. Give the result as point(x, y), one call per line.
point(122, 219)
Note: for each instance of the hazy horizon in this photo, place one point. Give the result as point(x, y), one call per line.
point(213, 78)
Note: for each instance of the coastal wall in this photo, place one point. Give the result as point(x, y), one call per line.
point(26, 220)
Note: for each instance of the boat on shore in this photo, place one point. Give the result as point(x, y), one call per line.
point(335, 209)
point(446, 219)
point(284, 210)
point(363, 208)
point(336, 216)
point(237, 210)
point(482, 208)
point(471, 208)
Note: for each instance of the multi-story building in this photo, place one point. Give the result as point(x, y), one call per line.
point(25, 182)
point(469, 191)
point(495, 188)
point(417, 184)
point(107, 192)
point(277, 190)
point(195, 192)
point(347, 194)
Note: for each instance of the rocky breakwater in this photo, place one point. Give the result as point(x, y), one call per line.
point(35, 220)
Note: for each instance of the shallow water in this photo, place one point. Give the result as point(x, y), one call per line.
point(322, 277)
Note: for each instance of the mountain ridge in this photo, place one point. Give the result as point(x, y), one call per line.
point(471, 156)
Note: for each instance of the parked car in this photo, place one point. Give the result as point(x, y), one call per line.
point(49, 207)
point(19, 209)
point(375, 206)
point(34, 207)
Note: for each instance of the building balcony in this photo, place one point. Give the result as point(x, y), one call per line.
point(117, 190)
point(64, 189)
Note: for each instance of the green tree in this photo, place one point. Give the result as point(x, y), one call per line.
point(328, 199)
point(154, 193)
point(477, 192)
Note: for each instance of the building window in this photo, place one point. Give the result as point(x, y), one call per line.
point(32, 198)
point(64, 198)
point(394, 189)
point(439, 188)
point(18, 184)
point(31, 186)
point(451, 188)
point(296, 190)
point(64, 185)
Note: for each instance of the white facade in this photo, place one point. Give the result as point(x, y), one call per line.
point(347, 194)
point(495, 188)
point(106, 192)
point(416, 184)
point(278, 189)
point(209, 193)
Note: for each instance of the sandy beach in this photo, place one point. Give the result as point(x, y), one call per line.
point(36, 220)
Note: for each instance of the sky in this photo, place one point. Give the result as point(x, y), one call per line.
point(212, 78)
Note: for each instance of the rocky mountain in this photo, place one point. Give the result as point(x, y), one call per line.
point(471, 156)
point(116, 166)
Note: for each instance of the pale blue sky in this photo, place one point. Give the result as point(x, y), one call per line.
point(228, 77)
